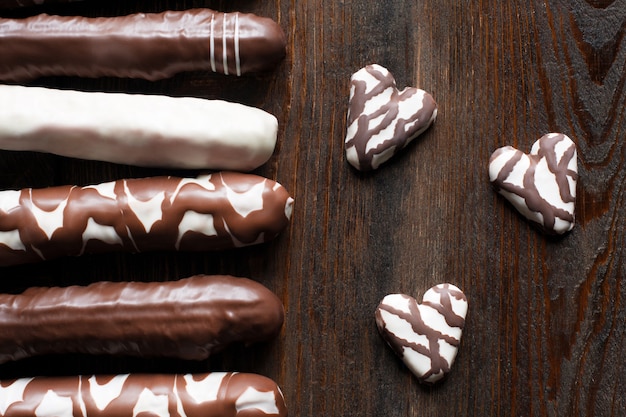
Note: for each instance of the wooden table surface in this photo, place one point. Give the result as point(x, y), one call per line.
point(546, 325)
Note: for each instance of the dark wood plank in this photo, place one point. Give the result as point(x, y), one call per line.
point(546, 324)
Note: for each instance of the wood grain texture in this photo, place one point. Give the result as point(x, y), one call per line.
point(547, 317)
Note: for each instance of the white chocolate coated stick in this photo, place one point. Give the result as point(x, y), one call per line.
point(134, 129)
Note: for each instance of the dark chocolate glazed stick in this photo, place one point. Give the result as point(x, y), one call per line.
point(189, 319)
point(218, 211)
point(149, 46)
point(217, 394)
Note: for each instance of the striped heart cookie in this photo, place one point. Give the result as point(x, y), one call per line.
point(542, 184)
point(381, 119)
point(425, 336)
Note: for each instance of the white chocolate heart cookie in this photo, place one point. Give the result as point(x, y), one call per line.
point(381, 119)
point(425, 336)
point(542, 184)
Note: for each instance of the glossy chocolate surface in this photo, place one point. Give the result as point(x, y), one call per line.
point(149, 46)
point(218, 211)
point(217, 394)
point(189, 319)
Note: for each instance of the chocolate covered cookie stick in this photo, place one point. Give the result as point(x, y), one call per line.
point(189, 319)
point(217, 211)
point(135, 129)
point(149, 46)
point(216, 394)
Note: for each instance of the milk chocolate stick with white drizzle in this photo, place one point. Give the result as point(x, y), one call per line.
point(218, 211)
point(217, 394)
point(189, 319)
point(151, 46)
point(136, 129)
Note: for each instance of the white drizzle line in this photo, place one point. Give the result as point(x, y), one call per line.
point(238, 243)
point(224, 46)
point(13, 241)
point(38, 252)
point(212, 43)
point(52, 220)
point(132, 240)
point(179, 403)
point(203, 181)
point(237, 60)
point(81, 400)
point(13, 393)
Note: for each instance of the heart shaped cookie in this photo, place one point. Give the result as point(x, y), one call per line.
point(381, 119)
point(542, 184)
point(425, 336)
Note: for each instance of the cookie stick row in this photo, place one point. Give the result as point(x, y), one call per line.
point(120, 128)
point(190, 318)
point(151, 46)
point(224, 70)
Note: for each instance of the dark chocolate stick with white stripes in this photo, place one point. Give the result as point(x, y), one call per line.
point(218, 211)
point(216, 394)
point(150, 46)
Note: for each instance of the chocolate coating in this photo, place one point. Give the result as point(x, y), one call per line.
point(149, 46)
point(189, 319)
point(218, 211)
point(217, 394)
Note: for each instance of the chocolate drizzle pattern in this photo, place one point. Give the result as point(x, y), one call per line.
point(217, 211)
point(190, 318)
point(425, 336)
point(381, 119)
point(150, 46)
point(216, 394)
point(542, 184)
